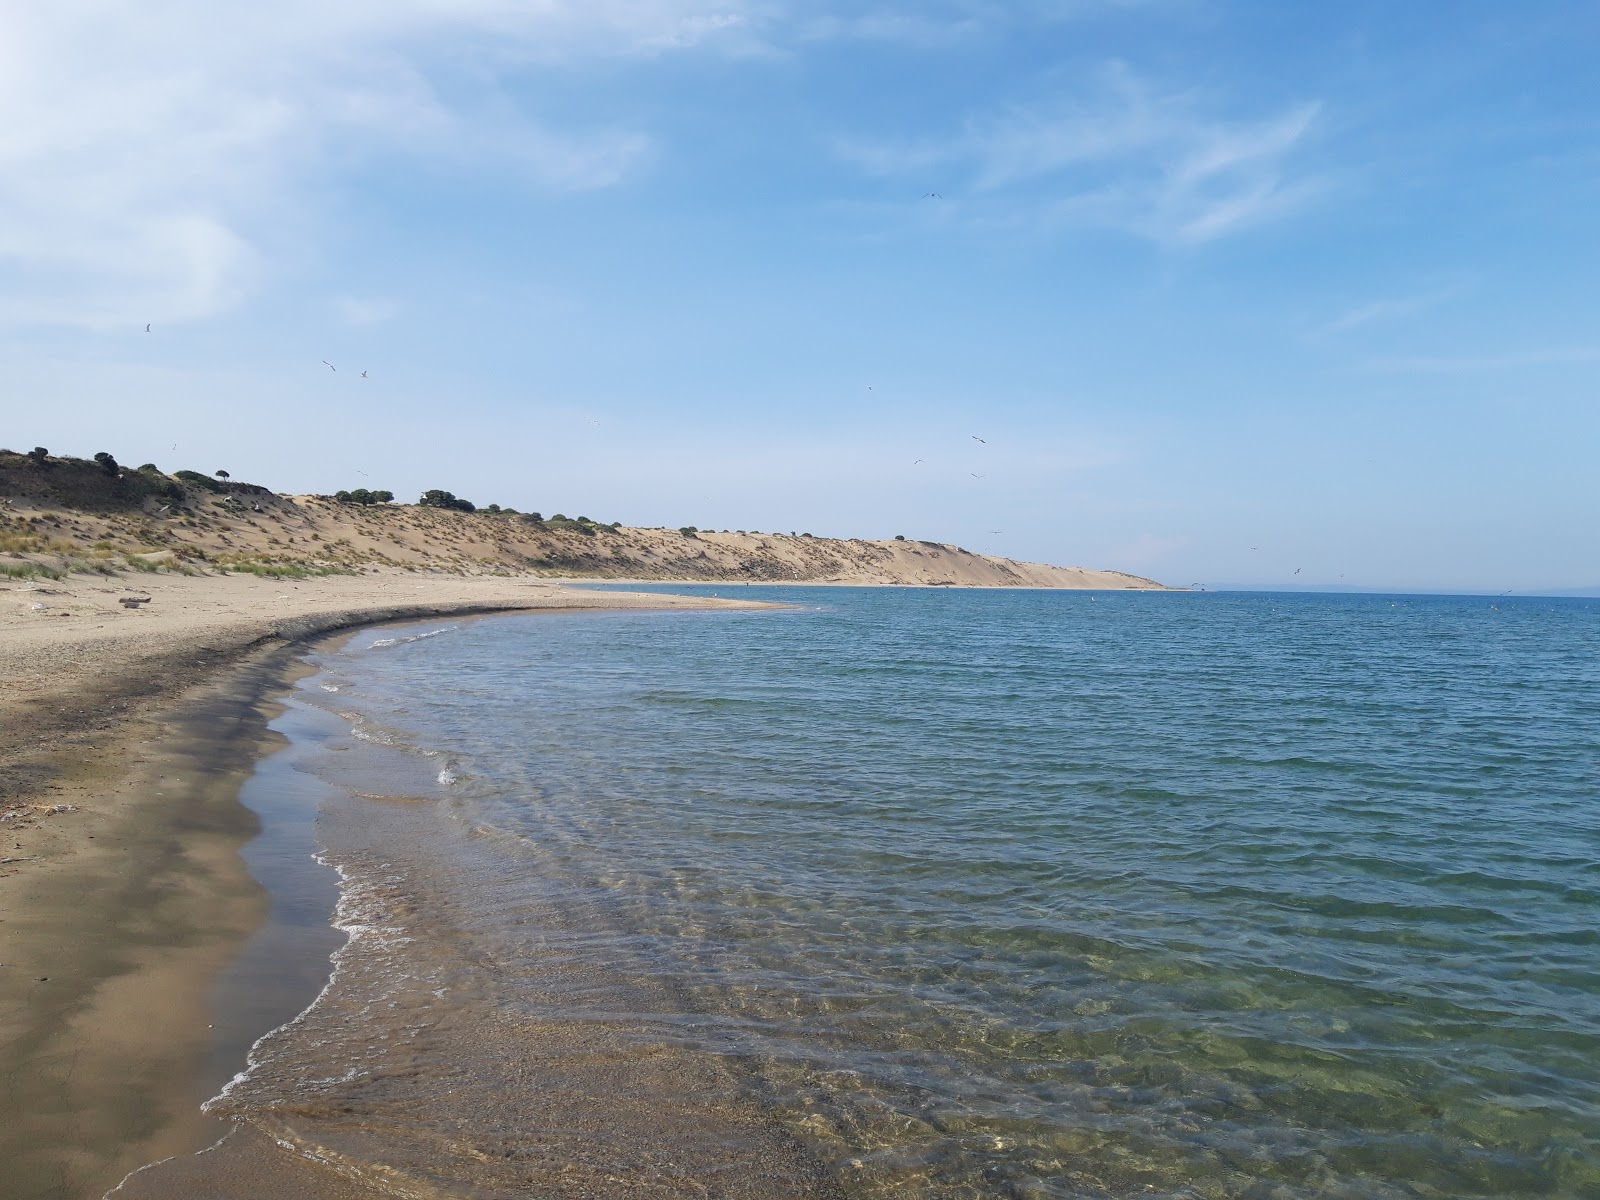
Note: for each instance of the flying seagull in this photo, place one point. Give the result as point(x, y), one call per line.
point(147, 328)
point(363, 374)
point(329, 365)
point(1297, 570)
point(933, 196)
point(920, 460)
point(976, 438)
point(974, 474)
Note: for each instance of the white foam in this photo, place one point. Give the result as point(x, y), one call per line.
point(356, 917)
point(415, 637)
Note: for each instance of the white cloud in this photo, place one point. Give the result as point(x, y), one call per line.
point(353, 310)
point(1393, 308)
point(1119, 155)
point(150, 153)
point(1554, 356)
point(933, 24)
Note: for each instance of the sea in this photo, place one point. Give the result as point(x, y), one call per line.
point(947, 893)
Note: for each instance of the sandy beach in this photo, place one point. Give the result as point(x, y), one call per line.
point(125, 733)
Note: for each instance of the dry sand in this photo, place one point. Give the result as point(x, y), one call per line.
point(124, 737)
point(312, 531)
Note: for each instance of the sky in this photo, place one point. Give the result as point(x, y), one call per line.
point(1242, 292)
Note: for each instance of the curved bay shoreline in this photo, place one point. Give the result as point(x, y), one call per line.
point(124, 739)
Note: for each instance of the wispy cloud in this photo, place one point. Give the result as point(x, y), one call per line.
point(1553, 356)
point(354, 310)
point(147, 151)
point(931, 24)
point(1121, 154)
point(1393, 308)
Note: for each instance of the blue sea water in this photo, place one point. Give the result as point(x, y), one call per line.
point(1046, 894)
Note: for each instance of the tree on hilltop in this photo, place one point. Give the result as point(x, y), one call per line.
point(439, 498)
point(363, 496)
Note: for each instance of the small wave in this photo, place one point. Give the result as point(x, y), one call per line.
point(365, 733)
point(363, 919)
point(415, 637)
point(447, 777)
point(329, 687)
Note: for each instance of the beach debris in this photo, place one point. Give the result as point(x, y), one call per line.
point(4, 862)
point(132, 601)
point(38, 606)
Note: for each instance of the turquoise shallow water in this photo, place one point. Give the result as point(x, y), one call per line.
point(1048, 894)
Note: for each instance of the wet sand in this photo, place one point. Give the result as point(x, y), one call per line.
point(124, 738)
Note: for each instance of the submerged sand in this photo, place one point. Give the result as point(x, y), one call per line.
point(124, 736)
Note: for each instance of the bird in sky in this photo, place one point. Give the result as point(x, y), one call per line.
point(329, 365)
point(1001, 531)
point(147, 328)
point(920, 460)
point(360, 472)
point(363, 374)
point(933, 196)
point(976, 438)
point(1297, 570)
point(974, 474)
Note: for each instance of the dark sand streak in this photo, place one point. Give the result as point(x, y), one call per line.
point(111, 937)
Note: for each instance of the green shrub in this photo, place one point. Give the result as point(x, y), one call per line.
point(198, 480)
point(363, 496)
point(689, 531)
point(438, 498)
point(107, 463)
point(569, 525)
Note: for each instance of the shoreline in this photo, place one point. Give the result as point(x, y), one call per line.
point(125, 738)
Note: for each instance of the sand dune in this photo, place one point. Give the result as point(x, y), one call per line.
point(148, 521)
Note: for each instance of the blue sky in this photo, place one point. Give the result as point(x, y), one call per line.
point(1229, 289)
